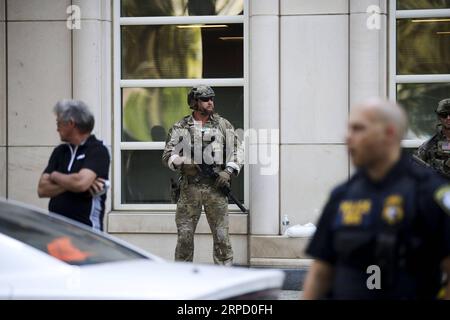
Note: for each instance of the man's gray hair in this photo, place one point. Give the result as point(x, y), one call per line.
point(77, 111)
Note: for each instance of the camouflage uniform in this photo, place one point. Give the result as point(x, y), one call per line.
point(436, 152)
point(218, 137)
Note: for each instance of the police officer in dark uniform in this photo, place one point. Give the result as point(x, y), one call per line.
point(384, 234)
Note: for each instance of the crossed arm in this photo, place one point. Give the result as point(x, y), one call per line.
point(51, 185)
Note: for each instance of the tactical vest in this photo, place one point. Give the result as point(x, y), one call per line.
point(394, 248)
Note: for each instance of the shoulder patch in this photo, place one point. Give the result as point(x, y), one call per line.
point(442, 197)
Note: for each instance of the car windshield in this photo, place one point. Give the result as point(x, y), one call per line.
point(60, 239)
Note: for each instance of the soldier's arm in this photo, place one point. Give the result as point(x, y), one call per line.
point(422, 152)
point(234, 149)
point(167, 149)
point(172, 154)
point(167, 153)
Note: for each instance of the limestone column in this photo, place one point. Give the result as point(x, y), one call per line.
point(264, 115)
point(92, 75)
point(2, 101)
point(92, 54)
point(39, 74)
point(368, 49)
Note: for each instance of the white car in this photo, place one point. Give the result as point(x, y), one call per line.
point(45, 256)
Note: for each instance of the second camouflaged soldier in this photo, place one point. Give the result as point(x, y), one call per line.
point(203, 138)
point(436, 151)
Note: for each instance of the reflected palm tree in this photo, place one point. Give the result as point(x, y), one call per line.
point(422, 4)
point(140, 8)
point(423, 47)
point(420, 101)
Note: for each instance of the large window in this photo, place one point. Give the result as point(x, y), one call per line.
point(161, 49)
point(420, 62)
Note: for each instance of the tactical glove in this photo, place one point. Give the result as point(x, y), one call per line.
point(223, 179)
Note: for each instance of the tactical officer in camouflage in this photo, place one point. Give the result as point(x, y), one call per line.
point(203, 138)
point(436, 151)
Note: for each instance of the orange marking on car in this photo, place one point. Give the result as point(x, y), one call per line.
point(63, 249)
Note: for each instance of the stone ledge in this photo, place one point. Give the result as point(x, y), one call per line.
point(149, 222)
point(163, 245)
point(278, 247)
point(281, 263)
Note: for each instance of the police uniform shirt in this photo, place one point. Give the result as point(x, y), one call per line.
point(401, 224)
point(67, 159)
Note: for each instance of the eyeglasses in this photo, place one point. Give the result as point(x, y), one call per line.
point(206, 99)
point(60, 122)
point(443, 115)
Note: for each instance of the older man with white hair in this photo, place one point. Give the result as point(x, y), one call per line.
point(385, 233)
point(76, 177)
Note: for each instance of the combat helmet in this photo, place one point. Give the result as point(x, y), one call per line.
point(200, 91)
point(443, 106)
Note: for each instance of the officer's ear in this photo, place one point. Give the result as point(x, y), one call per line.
point(71, 123)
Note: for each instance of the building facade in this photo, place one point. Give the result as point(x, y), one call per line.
point(287, 72)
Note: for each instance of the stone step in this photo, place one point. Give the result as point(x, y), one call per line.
point(278, 247)
point(281, 263)
point(284, 253)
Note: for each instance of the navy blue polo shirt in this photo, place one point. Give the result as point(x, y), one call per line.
point(411, 202)
point(67, 159)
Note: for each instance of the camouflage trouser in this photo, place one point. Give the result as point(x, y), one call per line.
point(189, 207)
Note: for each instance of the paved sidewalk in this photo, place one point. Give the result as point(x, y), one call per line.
point(290, 295)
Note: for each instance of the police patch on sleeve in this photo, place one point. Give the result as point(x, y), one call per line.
point(442, 197)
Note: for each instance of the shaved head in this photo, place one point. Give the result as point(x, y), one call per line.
point(375, 131)
point(388, 113)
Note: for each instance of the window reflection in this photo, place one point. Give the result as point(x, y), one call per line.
point(423, 46)
point(141, 8)
point(420, 101)
point(422, 4)
point(182, 51)
point(146, 180)
point(149, 113)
